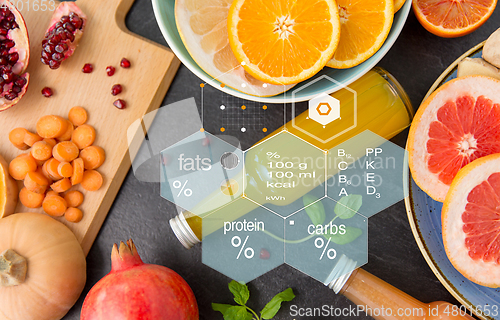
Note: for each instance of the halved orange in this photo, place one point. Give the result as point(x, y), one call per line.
point(451, 18)
point(283, 41)
point(202, 25)
point(364, 27)
point(471, 221)
point(457, 124)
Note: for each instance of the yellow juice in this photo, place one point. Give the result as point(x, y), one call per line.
point(382, 107)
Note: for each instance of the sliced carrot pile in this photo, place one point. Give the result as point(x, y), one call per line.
point(62, 156)
point(74, 198)
point(93, 157)
point(78, 116)
point(54, 205)
point(30, 138)
point(66, 136)
point(65, 169)
point(73, 215)
point(16, 137)
point(41, 150)
point(83, 136)
point(20, 166)
point(31, 199)
point(51, 126)
point(36, 182)
point(92, 180)
point(65, 151)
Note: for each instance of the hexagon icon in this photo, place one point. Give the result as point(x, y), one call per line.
point(321, 238)
point(323, 125)
point(202, 173)
point(243, 240)
point(324, 109)
point(281, 169)
point(371, 167)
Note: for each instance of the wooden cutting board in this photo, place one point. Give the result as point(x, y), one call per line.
point(105, 42)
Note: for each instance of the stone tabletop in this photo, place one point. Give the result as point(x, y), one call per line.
point(416, 60)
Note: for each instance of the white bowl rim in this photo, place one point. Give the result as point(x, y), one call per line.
point(287, 96)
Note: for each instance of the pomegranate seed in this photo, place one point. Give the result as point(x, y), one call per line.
point(87, 68)
point(117, 89)
point(47, 92)
point(110, 71)
point(264, 254)
point(125, 63)
point(120, 104)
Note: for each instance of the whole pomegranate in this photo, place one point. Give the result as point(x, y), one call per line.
point(134, 290)
point(64, 32)
point(14, 55)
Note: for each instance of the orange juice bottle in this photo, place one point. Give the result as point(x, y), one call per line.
point(383, 107)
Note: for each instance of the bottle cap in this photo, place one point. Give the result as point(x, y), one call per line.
point(183, 231)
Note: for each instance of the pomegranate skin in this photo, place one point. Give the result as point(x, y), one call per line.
point(134, 290)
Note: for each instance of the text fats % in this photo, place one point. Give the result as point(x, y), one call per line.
point(248, 252)
point(274, 155)
point(320, 243)
point(178, 185)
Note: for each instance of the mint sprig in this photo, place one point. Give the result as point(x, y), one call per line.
point(243, 312)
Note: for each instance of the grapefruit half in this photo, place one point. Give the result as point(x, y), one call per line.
point(458, 123)
point(471, 221)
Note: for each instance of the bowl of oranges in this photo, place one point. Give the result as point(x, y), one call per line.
point(278, 51)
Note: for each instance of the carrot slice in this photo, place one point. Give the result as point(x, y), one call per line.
point(51, 126)
point(65, 169)
point(54, 205)
point(36, 182)
point(65, 151)
point(78, 169)
point(92, 180)
point(62, 185)
point(20, 166)
point(30, 138)
point(73, 215)
point(50, 141)
point(41, 150)
point(31, 199)
point(83, 136)
point(74, 198)
point(51, 167)
point(16, 137)
point(93, 157)
point(51, 193)
point(78, 116)
point(66, 136)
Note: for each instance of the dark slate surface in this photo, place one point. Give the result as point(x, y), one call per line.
point(416, 60)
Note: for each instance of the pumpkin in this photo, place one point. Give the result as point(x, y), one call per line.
point(42, 268)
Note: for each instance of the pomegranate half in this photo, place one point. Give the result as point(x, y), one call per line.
point(64, 32)
point(135, 290)
point(14, 55)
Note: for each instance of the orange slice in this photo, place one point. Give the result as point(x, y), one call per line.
point(450, 18)
point(202, 25)
point(8, 190)
point(457, 124)
point(364, 27)
point(283, 42)
point(471, 221)
point(398, 4)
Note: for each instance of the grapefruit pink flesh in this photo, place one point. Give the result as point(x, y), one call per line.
point(457, 124)
point(471, 221)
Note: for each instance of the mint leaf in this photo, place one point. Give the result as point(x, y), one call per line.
point(349, 236)
point(222, 308)
point(316, 211)
point(237, 313)
point(273, 306)
point(239, 291)
point(347, 206)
